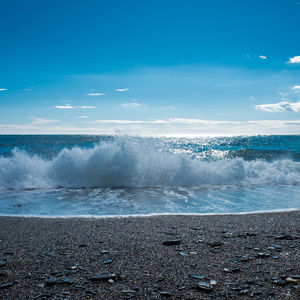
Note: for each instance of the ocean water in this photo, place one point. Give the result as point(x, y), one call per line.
point(120, 175)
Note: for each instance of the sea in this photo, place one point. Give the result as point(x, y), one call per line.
point(89, 175)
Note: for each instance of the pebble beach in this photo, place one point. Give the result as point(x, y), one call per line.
point(155, 257)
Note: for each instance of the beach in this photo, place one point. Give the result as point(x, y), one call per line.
point(153, 257)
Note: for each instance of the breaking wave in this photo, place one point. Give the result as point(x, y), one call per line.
point(131, 163)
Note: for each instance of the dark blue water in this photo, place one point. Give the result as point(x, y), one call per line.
point(105, 175)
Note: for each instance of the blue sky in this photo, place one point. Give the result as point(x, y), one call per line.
point(150, 67)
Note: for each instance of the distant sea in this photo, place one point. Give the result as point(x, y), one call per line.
point(67, 175)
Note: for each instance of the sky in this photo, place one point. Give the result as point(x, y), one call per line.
point(173, 68)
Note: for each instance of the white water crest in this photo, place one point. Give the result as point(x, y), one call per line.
point(132, 163)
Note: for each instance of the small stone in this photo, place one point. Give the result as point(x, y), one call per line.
point(283, 236)
point(104, 252)
point(74, 267)
point(6, 285)
point(245, 258)
point(183, 253)
point(244, 292)
point(82, 245)
point(166, 294)
point(296, 276)
point(108, 261)
point(204, 286)
point(101, 277)
point(66, 281)
point(200, 240)
point(213, 282)
point(128, 291)
point(279, 282)
point(197, 276)
point(215, 244)
point(172, 242)
point(51, 281)
point(292, 280)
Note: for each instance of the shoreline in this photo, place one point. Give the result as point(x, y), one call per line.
point(147, 215)
point(254, 255)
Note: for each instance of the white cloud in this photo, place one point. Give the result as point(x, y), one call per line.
point(296, 87)
point(64, 106)
point(262, 57)
point(86, 107)
point(3, 90)
point(252, 98)
point(280, 107)
point(95, 94)
point(294, 60)
point(131, 104)
point(40, 121)
point(69, 106)
point(122, 90)
point(178, 127)
point(83, 117)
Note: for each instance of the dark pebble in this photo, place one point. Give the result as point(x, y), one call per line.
point(128, 291)
point(283, 237)
point(172, 242)
point(215, 244)
point(51, 281)
point(6, 285)
point(66, 281)
point(101, 277)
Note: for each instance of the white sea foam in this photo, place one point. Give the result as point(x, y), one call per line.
point(131, 163)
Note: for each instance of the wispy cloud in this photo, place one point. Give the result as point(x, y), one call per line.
point(64, 106)
point(41, 121)
point(27, 90)
point(95, 94)
point(82, 117)
point(165, 121)
point(294, 60)
point(122, 90)
point(296, 88)
point(3, 90)
point(131, 104)
point(86, 106)
point(279, 107)
point(262, 57)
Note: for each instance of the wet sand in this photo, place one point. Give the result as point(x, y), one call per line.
point(159, 257)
